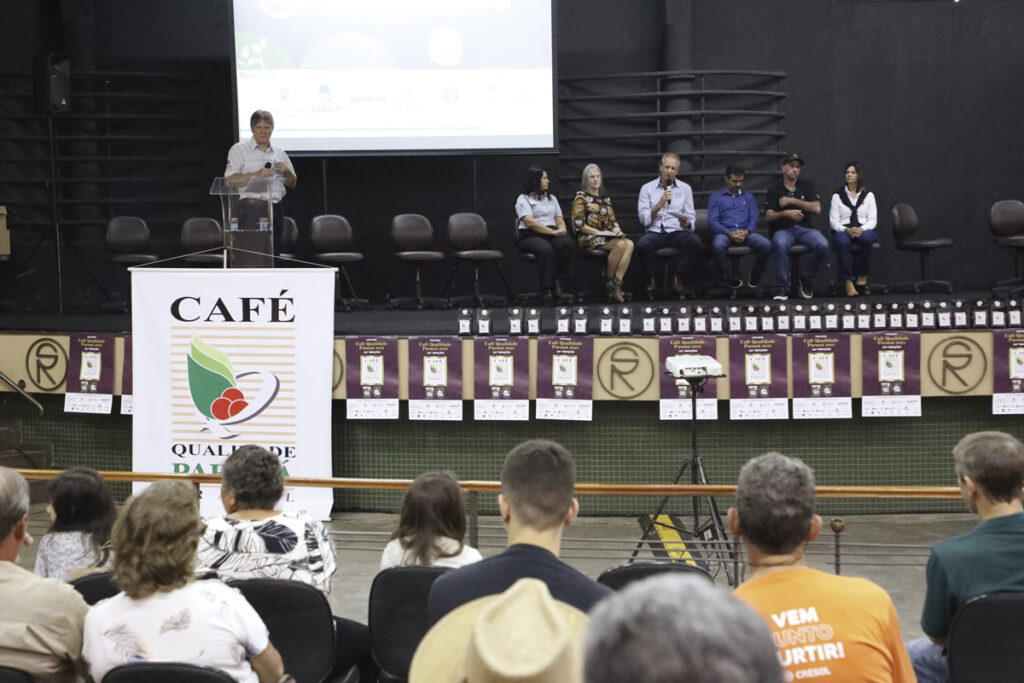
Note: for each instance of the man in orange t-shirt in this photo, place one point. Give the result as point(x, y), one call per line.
point(825, 627)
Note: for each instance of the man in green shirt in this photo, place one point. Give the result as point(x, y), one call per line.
point(989, 558)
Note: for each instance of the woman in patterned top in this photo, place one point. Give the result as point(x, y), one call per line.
point(162, 613)
point(593, 220)
point(256, 541)
point(82, 513)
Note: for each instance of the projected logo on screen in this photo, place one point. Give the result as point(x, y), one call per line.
point(213, 383)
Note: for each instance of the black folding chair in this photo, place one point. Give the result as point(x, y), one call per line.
point(398, 617)
point(984, 640)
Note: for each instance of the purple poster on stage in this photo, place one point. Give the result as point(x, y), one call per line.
point(757, 377)
point(90, 374)
point(565, 378)
point(435, 378)
point(371, 372)
point(127, 398)
point(821, 376)
point(501, 378)
point(1008, 372)
point(675, 403)
point(891, 374)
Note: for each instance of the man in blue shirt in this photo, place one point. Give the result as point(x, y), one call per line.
point(732, 215)
point(665, 209)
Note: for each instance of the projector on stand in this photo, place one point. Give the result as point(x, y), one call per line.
point(693, 367)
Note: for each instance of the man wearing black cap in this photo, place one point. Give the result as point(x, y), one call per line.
point(789, 205)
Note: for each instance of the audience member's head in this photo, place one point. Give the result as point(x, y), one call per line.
point(537, 484)
point(672, 628)
point(155, 539)
point(13, 501)
point(432, 510)
point(521, 635)
point(252, 480)
point(534, 183)
point(992, 460)
point(775, 503)
point(80, 501)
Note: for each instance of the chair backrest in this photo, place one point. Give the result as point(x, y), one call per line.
point(467, 231)
point(701, 226)
point(330, 232)
point(398, 615)
point(1006, 218)
point(289, 234)
point(96, 586)
point(984, 639)
point(411, 232)
point(618, 577)
point(11, 675)
point(300, 622)
point(127, 235)
point(904, 220)
point(200, 234)
point(165, 672)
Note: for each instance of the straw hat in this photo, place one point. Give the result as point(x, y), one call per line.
point(522, 635)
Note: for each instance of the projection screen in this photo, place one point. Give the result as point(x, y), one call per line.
point(398, 76)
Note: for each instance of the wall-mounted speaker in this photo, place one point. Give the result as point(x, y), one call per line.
point(52, 84)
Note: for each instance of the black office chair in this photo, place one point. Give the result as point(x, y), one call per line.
point(398, 617)
point(289, 239)
point(9, 674)
point(1006, 223)
point(96, 586)
point(165, 672)
point(904, 225)
point(467, 233)
point(331, 238)
point(837, 288)
point(667, 254)
point(127, 242)
point(617, 578)
point(203, 242)
point(412, 235)
point(300, 622)
point(984, 639)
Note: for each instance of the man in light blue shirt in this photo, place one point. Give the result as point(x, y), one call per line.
point(665, 208)
point(732, 215)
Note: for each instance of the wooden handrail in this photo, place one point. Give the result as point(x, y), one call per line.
point(918, 492)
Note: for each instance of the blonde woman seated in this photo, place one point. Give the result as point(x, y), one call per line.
point(593, 219)
point(431, 526)
point(161, 613)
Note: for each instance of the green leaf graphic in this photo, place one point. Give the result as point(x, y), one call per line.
point(212, 358)
point(209, 374)
point(205, 386)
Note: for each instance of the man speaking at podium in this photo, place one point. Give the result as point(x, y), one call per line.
point(257, 158)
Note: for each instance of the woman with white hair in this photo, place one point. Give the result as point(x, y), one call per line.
point(593, 221)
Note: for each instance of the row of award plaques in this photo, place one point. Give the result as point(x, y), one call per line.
point(735, 319)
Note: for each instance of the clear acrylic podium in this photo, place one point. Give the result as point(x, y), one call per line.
point(247, 214)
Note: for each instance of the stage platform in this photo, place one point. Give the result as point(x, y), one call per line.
point(382, 321)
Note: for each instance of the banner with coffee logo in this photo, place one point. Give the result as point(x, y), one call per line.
point(1008, 372)
point(501, 378)
point(565, 378)
point(891, 374)
point(676, 402)
point(435, 378)
point(757, 377)
point(90, 374)
point(225, 358)
point(821, 376)
point(371, 378)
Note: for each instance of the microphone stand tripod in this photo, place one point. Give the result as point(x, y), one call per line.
point(711, 530)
